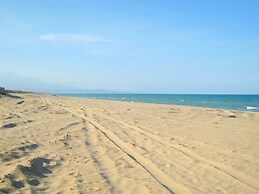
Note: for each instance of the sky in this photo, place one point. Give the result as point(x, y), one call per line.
point(163, 46)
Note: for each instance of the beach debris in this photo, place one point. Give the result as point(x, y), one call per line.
point(12, 115)
point(232, 116)
point(20, 102)
point(2, 90)
point(10, 125)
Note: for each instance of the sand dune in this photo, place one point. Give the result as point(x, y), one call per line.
point(54, 144)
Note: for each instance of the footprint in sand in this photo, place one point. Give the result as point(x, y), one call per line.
point(17, 152)
point(26, 177)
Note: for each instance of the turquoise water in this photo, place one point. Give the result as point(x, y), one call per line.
point(231, 102)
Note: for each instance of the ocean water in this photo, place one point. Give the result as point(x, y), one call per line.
point(230, 102)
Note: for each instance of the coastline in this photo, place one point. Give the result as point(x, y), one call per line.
point(63, 144)
point(233, 102)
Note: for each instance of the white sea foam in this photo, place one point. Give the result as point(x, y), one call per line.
point(182, 100)
point(251, 108)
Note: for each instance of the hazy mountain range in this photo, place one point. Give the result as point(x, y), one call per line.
point(18, 82)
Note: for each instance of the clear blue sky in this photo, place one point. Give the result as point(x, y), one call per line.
point(145, 46)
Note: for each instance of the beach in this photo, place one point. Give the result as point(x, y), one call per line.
point(57, 144)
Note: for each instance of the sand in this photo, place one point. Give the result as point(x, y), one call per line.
point(53, 144)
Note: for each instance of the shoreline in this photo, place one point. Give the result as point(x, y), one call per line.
point(70, 144)
point(190, 106)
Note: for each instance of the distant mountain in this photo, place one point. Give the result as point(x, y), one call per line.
point(17, 82)
point(88, 91)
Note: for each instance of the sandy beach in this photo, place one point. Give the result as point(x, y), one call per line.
point(53, 144)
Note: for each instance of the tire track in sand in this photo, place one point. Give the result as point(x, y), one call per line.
point(240, 176)
point(147, 165)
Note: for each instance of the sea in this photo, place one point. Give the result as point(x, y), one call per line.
point(229, 102)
